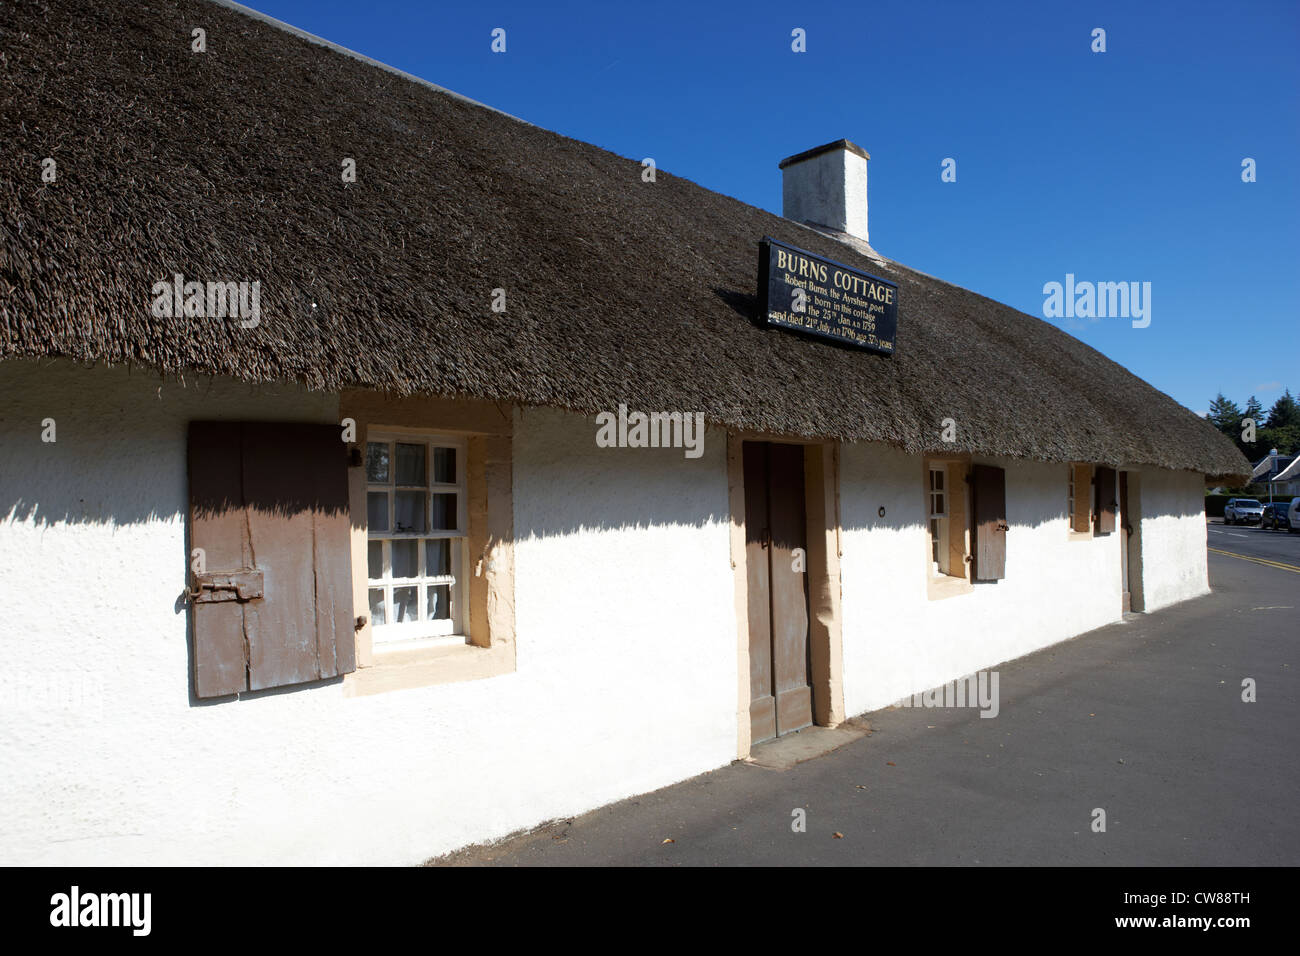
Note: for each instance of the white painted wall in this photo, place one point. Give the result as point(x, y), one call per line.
point(1172, 512)
point(626, 677)
point(898, 642)
point(828, 190)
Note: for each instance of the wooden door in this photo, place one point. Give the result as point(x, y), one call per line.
point(1126, 598)
point(780, 689)
point(989, 505)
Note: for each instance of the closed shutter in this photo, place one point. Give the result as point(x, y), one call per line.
point(989, 504)
point(269, 509)
point(1106, 503)
point(1081, 519)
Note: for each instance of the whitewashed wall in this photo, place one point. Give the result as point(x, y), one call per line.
point(897, 641)
point(626, 674)
point(1172, 511)
point(626, 677)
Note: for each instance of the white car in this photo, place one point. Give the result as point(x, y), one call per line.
point(1242, 511)
point(1293, 516)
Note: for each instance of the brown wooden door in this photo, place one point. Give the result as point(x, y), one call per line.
point(989, 504)
point(1126, 598)
point(780, 690)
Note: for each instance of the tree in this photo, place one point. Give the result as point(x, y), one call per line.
point(1282, 430)
point(1284, 413)
point(1254, 411)
point(1225, 415)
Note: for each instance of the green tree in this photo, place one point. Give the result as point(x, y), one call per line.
point(1285, 412)
point(1282, 430)
point(1254, 410)
point(1225, 415)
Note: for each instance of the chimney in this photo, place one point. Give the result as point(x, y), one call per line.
point(826, 188)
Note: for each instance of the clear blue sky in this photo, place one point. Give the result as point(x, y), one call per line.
point(1115, 166)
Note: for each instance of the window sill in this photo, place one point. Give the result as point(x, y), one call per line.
point(942, 586)
point(426, 666)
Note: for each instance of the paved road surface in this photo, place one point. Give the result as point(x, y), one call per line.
point(1255, 541)
point(1143, 719)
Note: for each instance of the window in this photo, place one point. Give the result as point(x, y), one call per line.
point(947, 514)
point(416, 537)
point(939, 559)
point(1078, 498)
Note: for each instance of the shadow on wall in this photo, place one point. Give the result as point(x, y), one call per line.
point(564, 483)
point(92, 445)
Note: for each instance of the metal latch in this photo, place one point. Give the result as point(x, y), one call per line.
point(211, 587)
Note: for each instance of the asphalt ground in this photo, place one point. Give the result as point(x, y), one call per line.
point(1254, 541)
point(1142, 719)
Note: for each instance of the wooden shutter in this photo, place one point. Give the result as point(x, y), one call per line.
point(269, 508)
point(989, 504)
point(1106, 503)
point(1081, 519)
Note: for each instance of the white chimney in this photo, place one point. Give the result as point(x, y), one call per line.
point(826, 187)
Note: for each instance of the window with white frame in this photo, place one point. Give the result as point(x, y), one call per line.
point(416, 536)
point(938, 514)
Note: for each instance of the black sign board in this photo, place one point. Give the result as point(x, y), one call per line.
point(799, 290)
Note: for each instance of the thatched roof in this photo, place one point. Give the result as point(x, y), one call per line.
point(226, 166)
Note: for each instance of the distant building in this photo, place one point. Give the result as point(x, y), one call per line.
point(1275, 475)
point(1286, 482)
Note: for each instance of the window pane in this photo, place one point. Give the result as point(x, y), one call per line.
point(444, 512)
point(410, 464)
point(404, 605)
point(406, 559)
point(377, 462)
point(439, 602)
point(377, 510)
point(938, 503)
point(409, 511)
point(377, 606)
point(375, 559)
point(444, 466)
point(437, 557)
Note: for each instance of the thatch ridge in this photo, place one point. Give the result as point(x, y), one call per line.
point(226, 166)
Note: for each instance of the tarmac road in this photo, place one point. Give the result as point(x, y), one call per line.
point(1255, 541)
point(1143, 719)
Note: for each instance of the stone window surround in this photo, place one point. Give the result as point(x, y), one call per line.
point(487, 429)
point(957, 466)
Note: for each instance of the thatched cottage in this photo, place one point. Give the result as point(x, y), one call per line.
point(330, 528)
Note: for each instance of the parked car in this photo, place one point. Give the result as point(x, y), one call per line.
point(1242, 511)
point(1293, 516)
point(1275, 516)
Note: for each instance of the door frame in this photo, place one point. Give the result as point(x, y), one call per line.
point(1132, 542)
point(821, 507)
